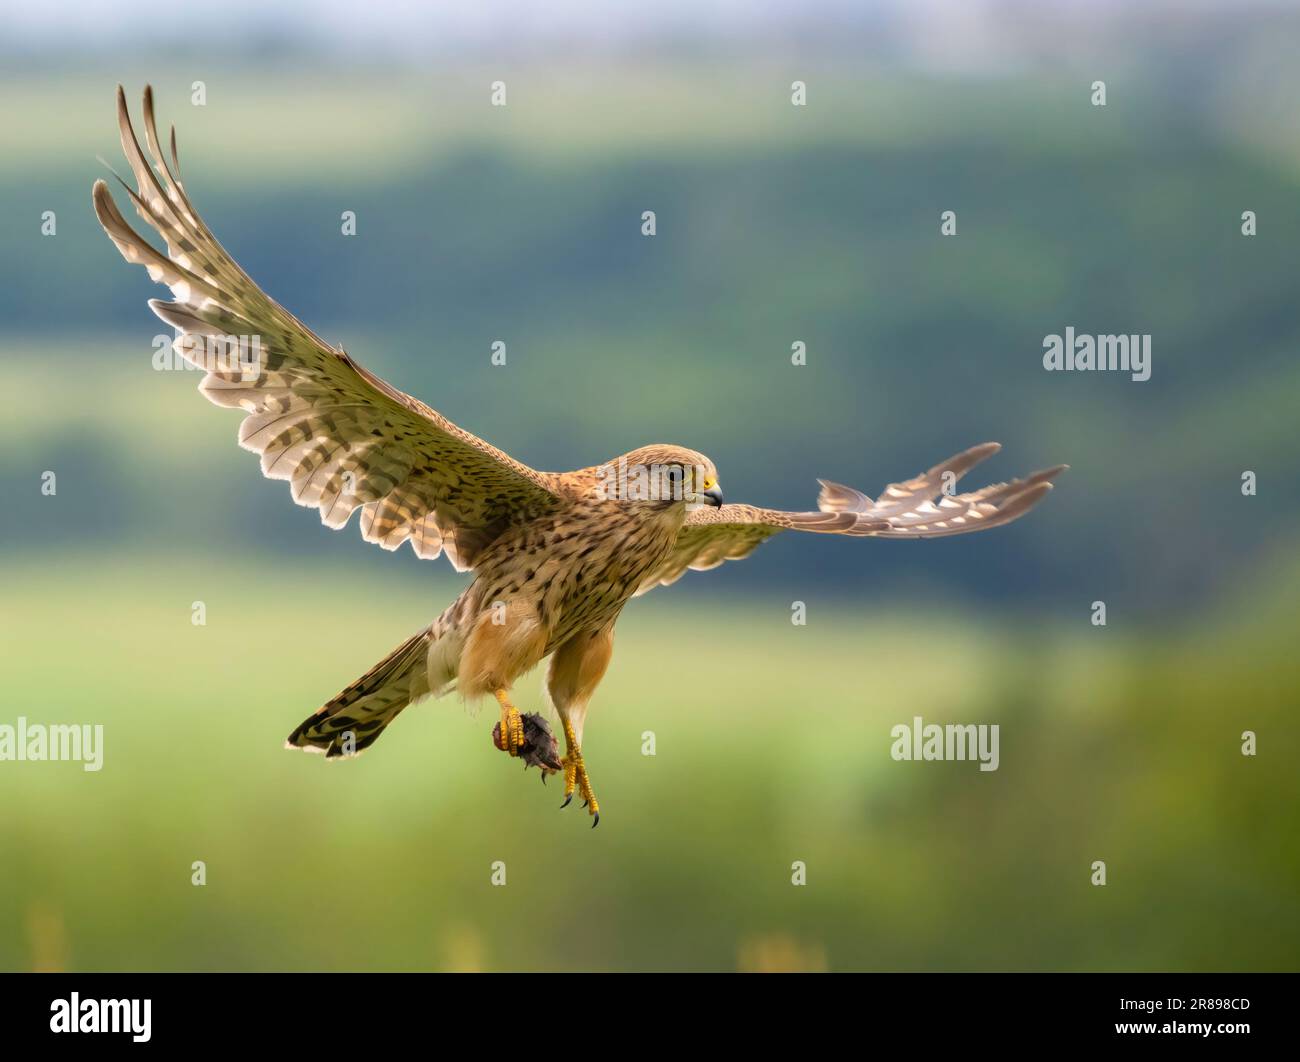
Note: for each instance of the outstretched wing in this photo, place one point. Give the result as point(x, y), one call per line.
point(342, 437)
point(924, 507)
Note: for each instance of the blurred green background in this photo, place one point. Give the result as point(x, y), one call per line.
point(775, 224)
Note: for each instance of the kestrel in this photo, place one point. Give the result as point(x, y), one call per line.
point(555, 555)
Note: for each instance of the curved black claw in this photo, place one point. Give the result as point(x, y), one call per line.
point(567, 800)
point(596, 821)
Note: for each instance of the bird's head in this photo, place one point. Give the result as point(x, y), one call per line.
point(663, 475)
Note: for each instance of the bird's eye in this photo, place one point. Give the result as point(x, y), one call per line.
point(674, 476)
point(708, 482)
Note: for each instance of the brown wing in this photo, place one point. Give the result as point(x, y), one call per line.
point(923, 507)
point(711, 536)
point(342, 437)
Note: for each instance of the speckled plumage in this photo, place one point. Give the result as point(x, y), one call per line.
point(555, 556)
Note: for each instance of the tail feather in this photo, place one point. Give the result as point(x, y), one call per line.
point(353, 720)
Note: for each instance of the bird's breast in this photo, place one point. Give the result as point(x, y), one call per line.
point(579, 569)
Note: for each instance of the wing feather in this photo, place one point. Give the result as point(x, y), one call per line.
point(340, 436)
point(921, 507)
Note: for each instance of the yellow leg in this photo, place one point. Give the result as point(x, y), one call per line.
point(512, 725)
point(575, 775)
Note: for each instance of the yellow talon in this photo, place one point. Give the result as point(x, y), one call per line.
point(575, 774)
point(512, 725)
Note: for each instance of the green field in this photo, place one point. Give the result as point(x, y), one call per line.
point(772, 746)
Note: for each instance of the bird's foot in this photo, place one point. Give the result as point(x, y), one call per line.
point(576, 778)
point(509, 737)
point(527, 737)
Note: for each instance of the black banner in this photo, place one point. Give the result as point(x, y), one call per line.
point(539, 1011)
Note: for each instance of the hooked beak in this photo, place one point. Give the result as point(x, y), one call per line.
point(713, 496)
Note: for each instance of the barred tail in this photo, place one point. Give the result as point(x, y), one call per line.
point(354, 719)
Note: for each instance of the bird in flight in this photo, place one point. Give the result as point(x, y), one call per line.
point(555, 555)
